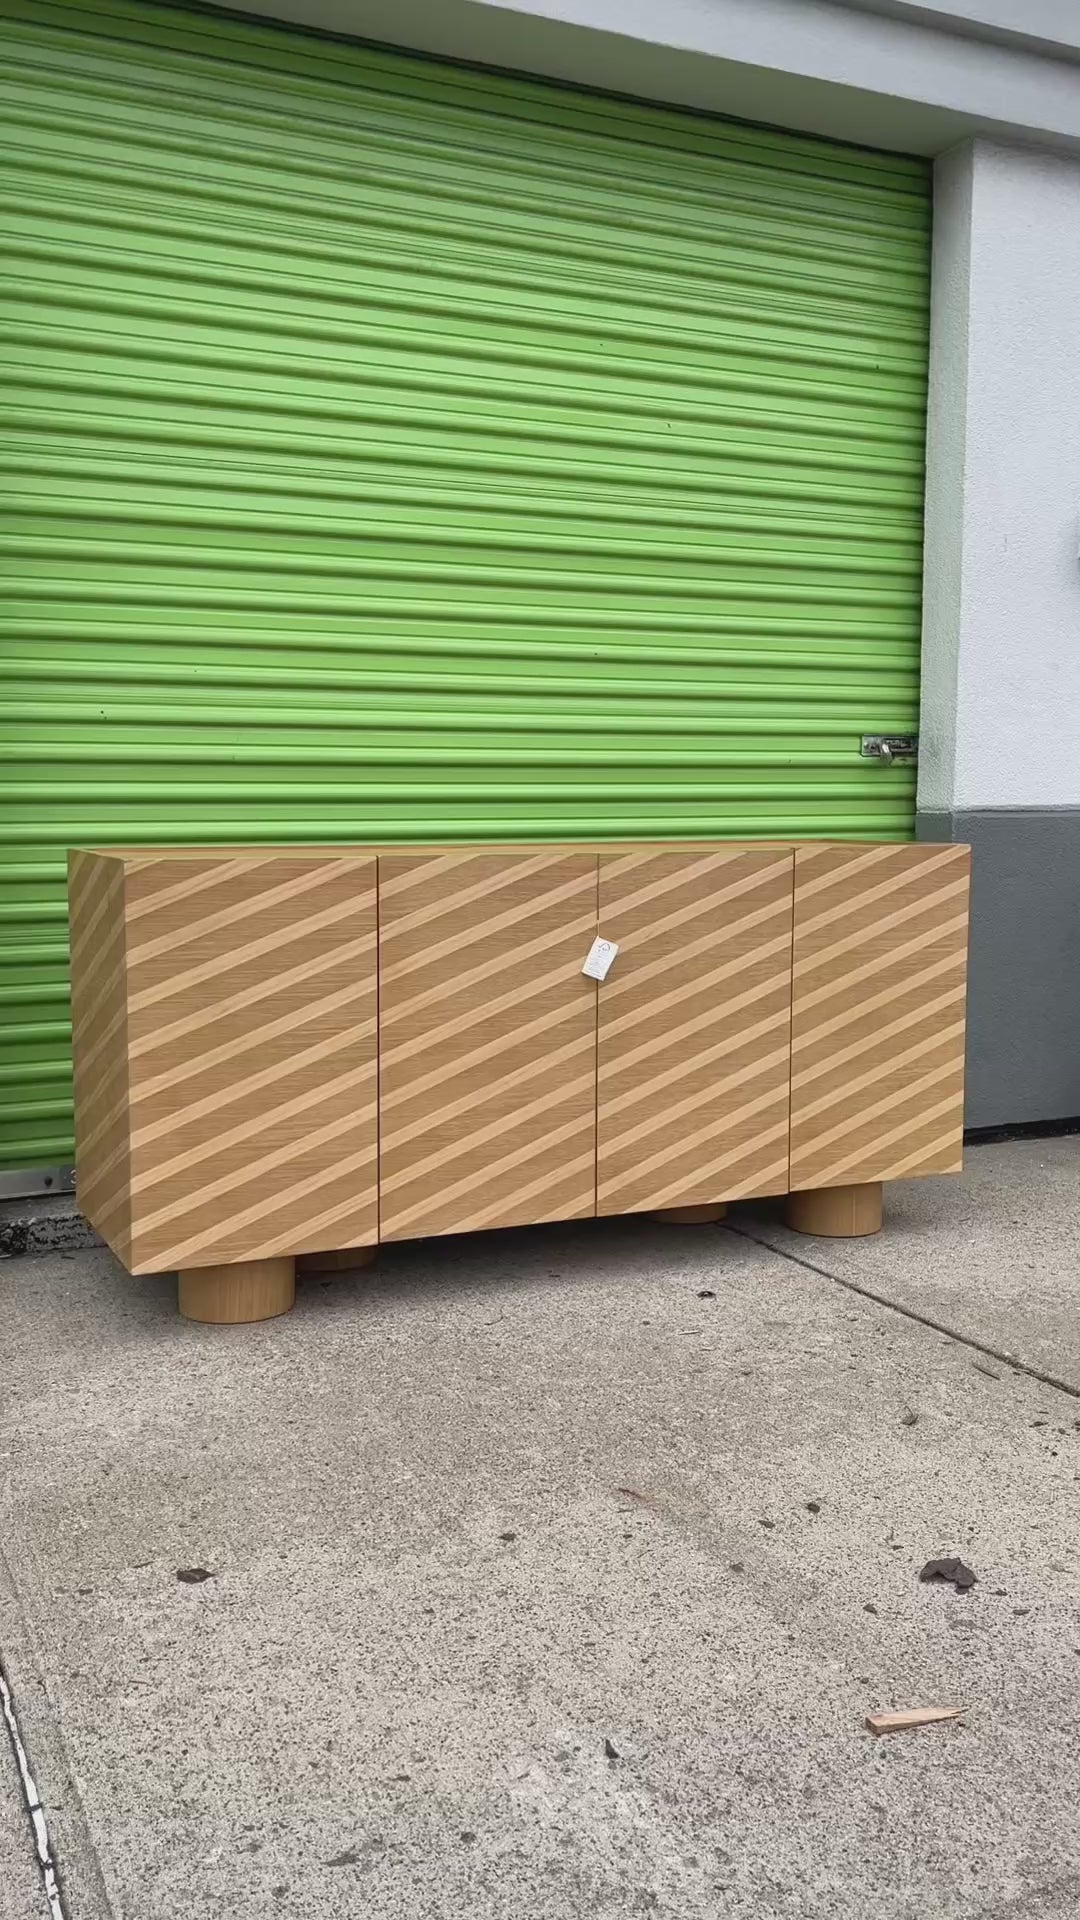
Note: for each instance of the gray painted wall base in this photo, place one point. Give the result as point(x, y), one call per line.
point(1024, 978)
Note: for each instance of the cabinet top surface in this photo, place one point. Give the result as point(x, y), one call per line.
point(144, 856)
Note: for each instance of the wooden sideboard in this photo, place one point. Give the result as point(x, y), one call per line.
point(304, 1051)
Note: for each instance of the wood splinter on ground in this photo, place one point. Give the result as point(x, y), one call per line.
point(908, 1717)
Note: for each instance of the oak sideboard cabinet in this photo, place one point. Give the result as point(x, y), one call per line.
point(296, 1053)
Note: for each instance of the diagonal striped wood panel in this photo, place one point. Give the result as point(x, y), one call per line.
point(99, 1034)
point(880, 962)
point(252, 1008)
point(694, 1027)
point(487, 1039)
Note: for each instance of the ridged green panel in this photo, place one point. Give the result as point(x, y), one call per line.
point(395, 450)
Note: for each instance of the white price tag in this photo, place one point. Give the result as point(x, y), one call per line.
point(599, 958)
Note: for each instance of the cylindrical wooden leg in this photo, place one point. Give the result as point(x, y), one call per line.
point(334, 1260)
point(691, 1216)
point(836, 1213)
point(246, 1290)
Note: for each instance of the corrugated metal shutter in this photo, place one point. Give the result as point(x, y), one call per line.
point(401, 451)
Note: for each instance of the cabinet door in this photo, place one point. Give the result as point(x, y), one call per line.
point(252, 1056)
point(487, 1039)
point(694, 1027)
point(877, 1087)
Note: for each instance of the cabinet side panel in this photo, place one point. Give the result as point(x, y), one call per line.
point(694, 1027)
point(99, 1045)
point(878, 1013)
point(253, 1000)
point(487, 1040)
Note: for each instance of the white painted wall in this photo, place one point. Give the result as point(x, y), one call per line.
point(886, 73)
point(1045, 23)
point(1002, 606)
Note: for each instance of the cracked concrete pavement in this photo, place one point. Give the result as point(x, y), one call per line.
point(993, 1255)
point(555, 1571)
point(21, 1894)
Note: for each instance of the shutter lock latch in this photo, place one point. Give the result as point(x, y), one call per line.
point(890, 747)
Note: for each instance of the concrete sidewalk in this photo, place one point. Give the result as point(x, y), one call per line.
point(22, 1896)
point(994, 1255)
point(553, 1573)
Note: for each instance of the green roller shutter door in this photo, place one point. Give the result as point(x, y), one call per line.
point(395, 450)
